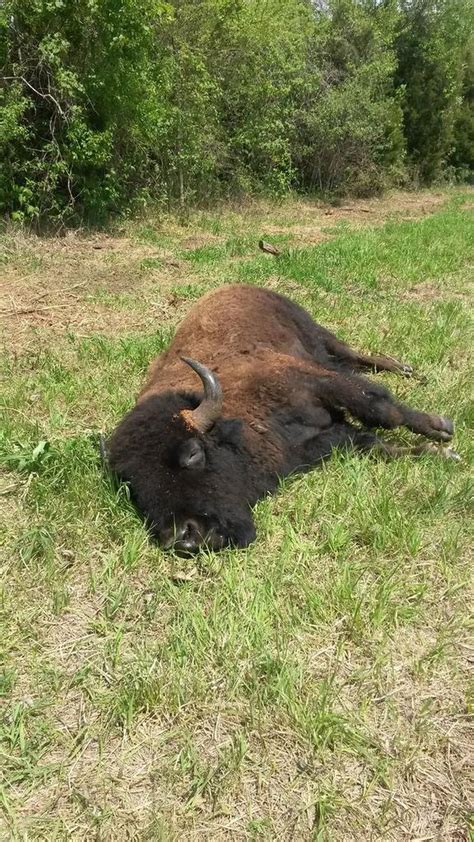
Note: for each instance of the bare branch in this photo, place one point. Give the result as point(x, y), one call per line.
point(38, 93)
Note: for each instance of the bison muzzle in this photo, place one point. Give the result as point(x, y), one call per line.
point(250, 390)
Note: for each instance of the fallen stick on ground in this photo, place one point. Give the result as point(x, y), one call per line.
point(268, 248)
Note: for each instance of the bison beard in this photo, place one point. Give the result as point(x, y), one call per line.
point(280, 392)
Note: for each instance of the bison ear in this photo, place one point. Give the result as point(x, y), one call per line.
point(192, 455)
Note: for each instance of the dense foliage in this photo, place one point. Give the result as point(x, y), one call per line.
point(108, 103)
point(432, 62)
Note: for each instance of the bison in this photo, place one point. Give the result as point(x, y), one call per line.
point(250, 390)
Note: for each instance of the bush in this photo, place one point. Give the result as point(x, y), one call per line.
point(81, 112)
point(462, 155)
point(106, 104)
point(349, 128)
point(430, 49)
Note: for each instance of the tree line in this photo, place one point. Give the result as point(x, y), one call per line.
point(106, 105)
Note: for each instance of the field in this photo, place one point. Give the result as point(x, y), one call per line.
point(312, 687)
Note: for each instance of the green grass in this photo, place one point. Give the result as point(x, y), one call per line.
point(401, 253)
point(313, 686)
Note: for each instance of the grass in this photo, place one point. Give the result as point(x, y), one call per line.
point(314, 686)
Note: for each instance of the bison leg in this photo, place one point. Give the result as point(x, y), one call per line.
point(346, 354)
point(346, 436)
point(370, 442)
point(374, 406)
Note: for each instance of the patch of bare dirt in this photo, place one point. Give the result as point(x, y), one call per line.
point(429, 291)
point(419, 203)
point(310, 222)
point(37, 329)
point(302, 235)
point(406, 205)
point(198, 241)
point(276, 783)
point(51, 286)
point(54, 286)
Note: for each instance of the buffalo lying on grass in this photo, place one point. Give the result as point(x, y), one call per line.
point(279, 392)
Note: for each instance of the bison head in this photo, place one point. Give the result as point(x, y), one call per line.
point(187, 467)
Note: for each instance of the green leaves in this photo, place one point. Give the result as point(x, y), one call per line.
point(108, 104)
point(432, 48)
point(21, 457)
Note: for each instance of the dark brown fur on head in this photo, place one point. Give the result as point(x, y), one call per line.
point(145, 451)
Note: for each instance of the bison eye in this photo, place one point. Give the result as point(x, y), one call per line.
point(191, 455)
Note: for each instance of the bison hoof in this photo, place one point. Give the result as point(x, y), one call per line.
point(406, 370)
point(449, 453)
point(440, 428)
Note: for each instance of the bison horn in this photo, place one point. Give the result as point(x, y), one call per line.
point(208, 411)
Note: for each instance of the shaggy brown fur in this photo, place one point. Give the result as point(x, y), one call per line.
point(290, 389)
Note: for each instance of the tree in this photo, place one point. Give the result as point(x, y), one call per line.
point(349, 121)
point(79, 104)
point(430, 47)
point(462, 157)
point(108, 104)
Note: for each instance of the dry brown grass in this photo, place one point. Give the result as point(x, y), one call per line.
point(73, 283)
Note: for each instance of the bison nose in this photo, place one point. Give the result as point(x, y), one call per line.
point(185, 537)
